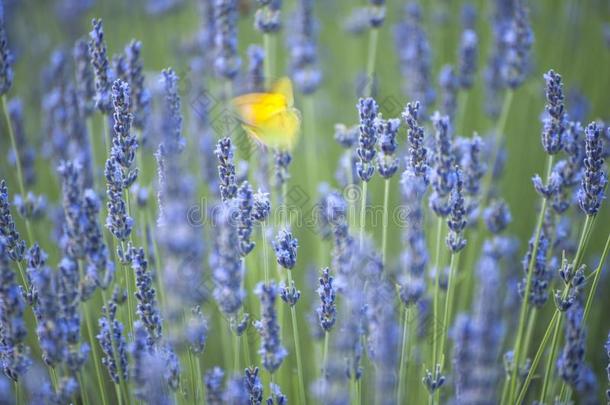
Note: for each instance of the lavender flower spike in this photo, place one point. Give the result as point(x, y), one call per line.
point(147, 308)
point(554, 121)
point(15, 246)
point(112, 342)
point(271, 351)
point(85, 85)
point(285, 247)
point(367, 110)
point(14, 354)
point(418, 154)
point(457, 219)
point(304, 67)
point(6, 58)
point(387, 164)
point(376, 13)
point(327, 311)
point(141, 98)
point(268, 18)
point(227, 62)
point(467, 65)
point(99, 60)
point(226, 169)
point(593, 184)
point(518, 40)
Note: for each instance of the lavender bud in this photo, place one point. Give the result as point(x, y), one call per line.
point(226, 169)
point(253, 386)
point(227, 62)
point(554, 121)
point(418, 154)
point(99, 61)
point(6, 58)
point(367, 109)
point(268, 17)
point(271, 351)
point(593, 184)
point(387, 164)
point(15, 247)
point(327, 310)
point(467, 65)
point(285, 247)
point(289, 294)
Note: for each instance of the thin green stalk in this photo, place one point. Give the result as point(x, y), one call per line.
point(384, 234)
point(499, 136)
point(597, 272)
point(531, 323)
point(550, 361)
point(90, 336)
point(551, 358)
point(9, 126)
point(403, 353)
point(537, 358)
point(93, 150)
point(297, 347)
point(268, 63)
point(556, 320)
point(528, 286)
point(439, 231)
point(363, 213)
point(370, 62)
point(235, 352)
point(448, 303)
point(265, 252)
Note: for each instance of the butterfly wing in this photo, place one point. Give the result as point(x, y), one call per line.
point(255, 108)
point(281, 130)
point(283, 86)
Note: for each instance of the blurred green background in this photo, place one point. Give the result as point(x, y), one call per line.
point(569, 37)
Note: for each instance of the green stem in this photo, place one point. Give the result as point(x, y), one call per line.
point(499, 137)
point(448, 303)
point(439, 231)
point(297, 347)
point(384, 234)
point(370, 62)
point(11, 134)
point(550, 361)
point(403, 353)
point(265, 252)
point(528, 286)
point(537, 358)
point(598, 271)
point(90, 336)
point(363, 213)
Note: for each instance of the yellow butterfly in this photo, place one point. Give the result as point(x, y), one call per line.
point(271, 118)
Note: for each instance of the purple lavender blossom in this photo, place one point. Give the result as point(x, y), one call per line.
point(285, 247)
point(387, 163)
point(282, 160)
point(541, 274)
point(415, 256)
point(289, 294)
point(73, 208)
point(497, 216)
point(276, 397)
point(99, 61)
point(147, 308)
point(99, 266)
point(571, 360)
point(226, 169)
point(591, 193)
point(271, 351)
point(27, 154)
point(14, 354)
point(443, 175)
point(327, 311)
point(418, 154)
point(225, 261)
point(457, 219)
point(213, 386)
point(467, 63)
point(140, 96)
point(256, 76)
point(245, 201)
point(367, 110)
point(415, 57)
point(268, 17)
point(554, 121)
point(6, 58)
point(304, 68)
point(112, 342)
point(15, 246)
point(449, 82)
point(227, 62)
point(197, 331)
point(518, 40)
point(85, 84)
point(376, 13)
point(253, 386)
